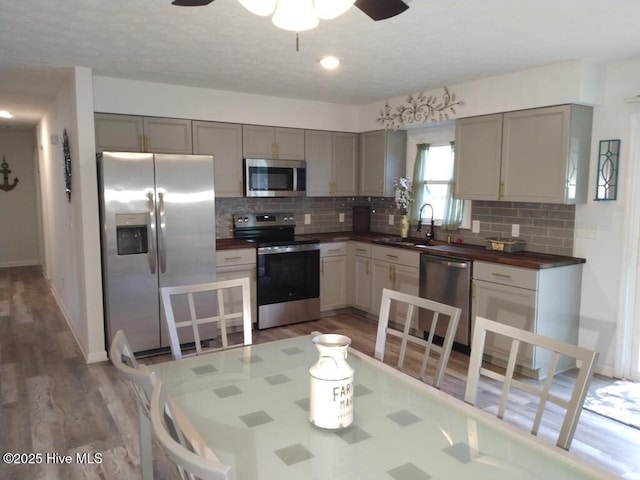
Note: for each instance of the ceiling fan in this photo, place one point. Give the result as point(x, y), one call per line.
point(376, 9)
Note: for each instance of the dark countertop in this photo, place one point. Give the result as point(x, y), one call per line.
point(537, 261)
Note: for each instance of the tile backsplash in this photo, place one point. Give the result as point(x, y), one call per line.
point(547, 228)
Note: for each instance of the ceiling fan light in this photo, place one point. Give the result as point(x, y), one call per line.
point(328, 9)
point(295, 15)
point(259, 7)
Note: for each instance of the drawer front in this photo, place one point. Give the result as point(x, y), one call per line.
point(240, 256)
point(361, 249)
point(396, 255)
point(333, 249)
point(506, 275)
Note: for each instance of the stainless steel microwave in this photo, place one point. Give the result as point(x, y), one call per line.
point(274, 178)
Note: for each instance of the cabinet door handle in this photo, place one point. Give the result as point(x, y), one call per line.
point(501, 275)
point(367, 267)
point(501, 194)
point(395, 257)
point(360, 250)
point(381, 188)
point(334, 250)
point(229, 259)
point(322, 266)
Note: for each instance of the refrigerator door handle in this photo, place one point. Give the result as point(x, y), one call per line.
point(151, 233)
point(162, 250)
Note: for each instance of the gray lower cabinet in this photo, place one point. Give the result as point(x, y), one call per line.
point(260, 141)
point(538, 155)
point(382, 159)
point(130, 133)
point(359, 285)
point(332, 163)
point(238, 263)
point(224, 142)
point(394, 268)
point(545, 302)
point(333, 276)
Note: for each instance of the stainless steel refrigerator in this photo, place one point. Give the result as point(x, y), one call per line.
point(158, 229)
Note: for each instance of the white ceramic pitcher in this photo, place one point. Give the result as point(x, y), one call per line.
point(331, 398)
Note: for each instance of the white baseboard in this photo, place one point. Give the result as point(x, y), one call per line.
point(20, 263)
point(92, 357)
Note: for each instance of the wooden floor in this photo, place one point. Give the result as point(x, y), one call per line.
point(52, 402)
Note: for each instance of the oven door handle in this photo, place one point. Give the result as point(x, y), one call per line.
point(288, 249)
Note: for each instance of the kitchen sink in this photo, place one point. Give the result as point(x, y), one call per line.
point(398, 242)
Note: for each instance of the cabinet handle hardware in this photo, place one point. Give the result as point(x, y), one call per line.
point(334, 250)
point(501, 194)
point(228, 259)
point(392, 256)
point(381, 188)
point(360, 250)
point(367, 267)
point(394, 274)
point(501, 275)
point(322, 266)
point(391, 272)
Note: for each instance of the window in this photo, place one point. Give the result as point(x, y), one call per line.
point(436, 174)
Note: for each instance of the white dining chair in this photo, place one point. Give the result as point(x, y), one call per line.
point(586, 361)
point(142, 381)
point(224, 309)
point(192, 462)
point(438, 312)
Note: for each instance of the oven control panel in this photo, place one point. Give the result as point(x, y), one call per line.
point(249, 220)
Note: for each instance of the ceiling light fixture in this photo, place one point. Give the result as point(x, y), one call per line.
point(5, 114)
point(298, 15)
point(330, 62)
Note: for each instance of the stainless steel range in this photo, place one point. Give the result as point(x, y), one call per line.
point(288, 283)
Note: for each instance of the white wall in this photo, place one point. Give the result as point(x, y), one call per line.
point(71, 229)
point(569, 82)
point(113, 95)
point(601, 226)
point(19, 244)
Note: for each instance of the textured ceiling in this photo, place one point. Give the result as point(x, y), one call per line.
point(223, 46)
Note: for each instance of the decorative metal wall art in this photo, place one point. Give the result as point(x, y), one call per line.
point(608, 162)
point(5, 185)
point(67, 164)
point(419, 109)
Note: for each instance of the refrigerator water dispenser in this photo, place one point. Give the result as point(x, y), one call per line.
point(131, 233)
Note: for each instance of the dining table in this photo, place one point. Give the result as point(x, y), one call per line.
point(251, 406)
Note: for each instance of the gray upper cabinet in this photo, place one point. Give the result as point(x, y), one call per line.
point(538, 155)
point(129, 133)
point(382, 158)
point(260, 141)
point(478, 153)
point(332, 163)
point(224, 142)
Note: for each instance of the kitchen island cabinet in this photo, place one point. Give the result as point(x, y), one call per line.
point(259, 141)
point(224, 142)
point(382, 158)
point(545, 302)
point(333, 276)
point(130, 133)
point(538, 155)
point(332, 163)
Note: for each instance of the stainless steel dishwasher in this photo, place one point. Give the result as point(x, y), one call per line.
point(447, 280)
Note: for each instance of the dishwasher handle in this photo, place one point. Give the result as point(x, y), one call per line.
point(463, 264)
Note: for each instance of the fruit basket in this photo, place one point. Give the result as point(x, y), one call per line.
point(505, 244)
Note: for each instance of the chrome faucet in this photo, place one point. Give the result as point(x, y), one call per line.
point(431, 234)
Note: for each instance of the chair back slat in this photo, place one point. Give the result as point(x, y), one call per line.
point(413, 304)
point(585, 360)
point(222, 310)
point(182, 443)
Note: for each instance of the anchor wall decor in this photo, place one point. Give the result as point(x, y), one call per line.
point(5, 185)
